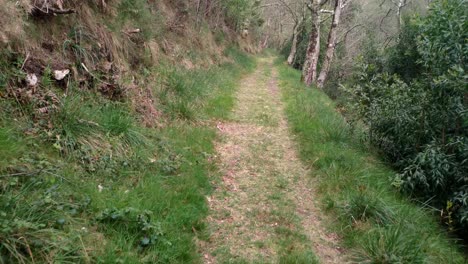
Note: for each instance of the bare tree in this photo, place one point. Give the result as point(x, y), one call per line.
point(399, 4)
point(397, 7)
point(297, 10)
point(332, 40)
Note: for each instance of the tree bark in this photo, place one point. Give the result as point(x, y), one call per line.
point(309, 70)
point(331, 45)
point(296, 32)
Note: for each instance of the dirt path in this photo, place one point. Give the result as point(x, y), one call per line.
point(263, 210)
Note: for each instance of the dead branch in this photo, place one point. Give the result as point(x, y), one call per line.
point(345, 35)
point(50, 11)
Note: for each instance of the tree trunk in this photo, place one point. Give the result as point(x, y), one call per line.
point(296, 32)
point(309, 70)
point(331, 45)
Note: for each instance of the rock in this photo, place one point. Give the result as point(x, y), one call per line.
point(31, 79)
point(60, 75)
point(245, 33)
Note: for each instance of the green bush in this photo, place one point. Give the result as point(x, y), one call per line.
point(241, 14)
point(414, 105)
point(403, 58)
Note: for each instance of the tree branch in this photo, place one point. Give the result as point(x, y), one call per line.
point(345, 35)
point(327, 11)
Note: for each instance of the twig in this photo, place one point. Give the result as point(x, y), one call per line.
point(28, 248)
point(21, 174)
point(25, 60)
point(92, 75)
point(345, 35)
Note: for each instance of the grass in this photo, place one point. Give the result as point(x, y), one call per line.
point(194, 95)
point(93, 186)
point(10, 145)
point(376, 223)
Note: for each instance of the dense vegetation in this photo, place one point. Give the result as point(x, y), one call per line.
point(111, 163)
point(412, 98)
point(413, 102)
point(377, 224)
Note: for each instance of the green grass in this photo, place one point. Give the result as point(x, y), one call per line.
point(94, 186)
point(376, 223)
point(202, 93)
point(10, 145)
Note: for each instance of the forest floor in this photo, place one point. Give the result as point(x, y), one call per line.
point(263, 209)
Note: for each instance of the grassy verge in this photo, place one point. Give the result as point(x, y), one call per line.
point(90, 184)
point(376, 224)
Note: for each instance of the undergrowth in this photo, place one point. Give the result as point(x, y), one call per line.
point(90, 184)
point(376, 223)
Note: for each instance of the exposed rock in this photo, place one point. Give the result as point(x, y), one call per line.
point(61, 74)
point(31, 79)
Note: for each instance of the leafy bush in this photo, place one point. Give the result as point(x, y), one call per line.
point(443, 33)
point(418, 116)
point(140, 222)
point(241, 14)
point(404, 56)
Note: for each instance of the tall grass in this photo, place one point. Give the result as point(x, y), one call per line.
point(202, 93)
point(97, 187)
point(376, 223)
point(73, 121)
point(118, 121)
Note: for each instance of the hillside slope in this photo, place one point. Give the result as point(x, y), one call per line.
point(105, 128)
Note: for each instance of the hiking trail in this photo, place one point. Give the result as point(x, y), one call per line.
point(264, 209)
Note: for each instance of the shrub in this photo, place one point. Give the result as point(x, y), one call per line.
point(417, 116)
point(404, 56)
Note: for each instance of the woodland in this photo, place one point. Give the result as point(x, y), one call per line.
point(233, 131)
point(398, 68)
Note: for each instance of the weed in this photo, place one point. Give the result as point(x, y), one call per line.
point(10, 69)
point(35, 219)
point(133, 220)
point(77, 42)
point(46, 78)
point(138, 14)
